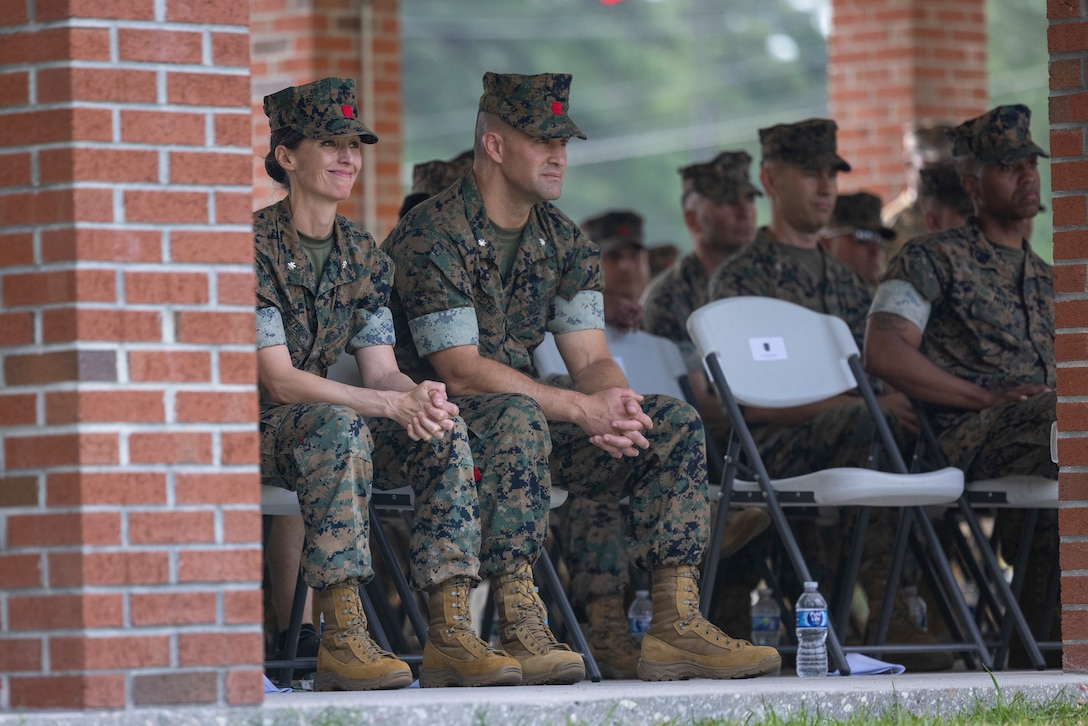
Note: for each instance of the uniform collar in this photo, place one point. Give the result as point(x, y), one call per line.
point(533, 237)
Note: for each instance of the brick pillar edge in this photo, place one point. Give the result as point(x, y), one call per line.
point(1067, 40)
point(892, 63)
point(130, 554)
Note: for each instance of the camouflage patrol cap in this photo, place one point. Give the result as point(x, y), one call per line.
point(860, 211)
point(615, 229)
point(943, 184)
point(536, 105)
point(427, 177)
point(324, 109)
point(809, 144)
point(722, 180)
point(999, 136)
point(432, 177)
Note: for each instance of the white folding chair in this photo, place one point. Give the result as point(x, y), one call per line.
point(769, 353)
point(652, 364)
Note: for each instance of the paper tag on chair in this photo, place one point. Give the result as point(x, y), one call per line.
point(768, 348)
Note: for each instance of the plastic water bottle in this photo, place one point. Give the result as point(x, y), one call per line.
point(916, 606)
point(811, 633)
point(639, 614)
point(765, 617)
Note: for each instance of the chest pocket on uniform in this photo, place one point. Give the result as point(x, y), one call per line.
point(999, 321)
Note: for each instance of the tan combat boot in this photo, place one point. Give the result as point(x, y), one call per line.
point(682, 644)
point(454, 655)
point(347, 659)
point(525, 636)
point(613, 647)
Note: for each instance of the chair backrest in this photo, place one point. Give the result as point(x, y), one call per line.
point(775, 354)
point(652, 364)
point(345, 370)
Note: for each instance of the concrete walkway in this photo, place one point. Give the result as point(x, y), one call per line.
point(626, 703)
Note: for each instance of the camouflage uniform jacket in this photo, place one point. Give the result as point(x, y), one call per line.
point(447, 272)
point(347, 310)
point(982, 327)
point(671, 297)
point(759, 270)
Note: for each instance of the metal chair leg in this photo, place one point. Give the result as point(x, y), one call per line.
point(551, 581)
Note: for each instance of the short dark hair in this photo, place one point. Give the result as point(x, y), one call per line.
point(411, 201)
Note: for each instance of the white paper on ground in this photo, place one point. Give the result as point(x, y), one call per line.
point(270, 687)
point(862, 665)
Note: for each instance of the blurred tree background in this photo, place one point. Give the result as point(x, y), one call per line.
point(659, 84)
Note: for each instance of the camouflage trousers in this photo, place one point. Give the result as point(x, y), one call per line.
point(332, 457)
point(1013, 438)
point(593, 540)
point(520, 454)
point(594, 544)
point(839, 437)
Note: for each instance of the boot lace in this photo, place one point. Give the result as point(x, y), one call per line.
point(462, 622)
point(692, 618)
point(531, 614)
point(355, 628)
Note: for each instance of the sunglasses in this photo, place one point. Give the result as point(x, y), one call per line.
point(861, 236)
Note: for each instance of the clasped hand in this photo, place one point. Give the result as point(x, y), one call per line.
point(425, 411)
point(615, 422)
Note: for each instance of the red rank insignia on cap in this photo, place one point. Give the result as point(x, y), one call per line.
point(557, 108)
point(348, 112)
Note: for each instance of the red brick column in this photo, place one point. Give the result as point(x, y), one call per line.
point(293, 45)
point(892, 63)
point(129, 504)
point(1067, 39)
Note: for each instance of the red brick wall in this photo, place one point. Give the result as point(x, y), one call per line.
point(1067, 39)
point(292, 45)
point(129, 517)
point(892, 63)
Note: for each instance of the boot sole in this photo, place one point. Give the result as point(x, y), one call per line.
point(390, 681)
point(441, 678)
point(650, 671)
point(563, 674)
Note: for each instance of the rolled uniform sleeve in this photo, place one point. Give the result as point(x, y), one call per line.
point(899, 297)
point(584, 312)
point(375, 328)
point(270, 328)
point(445, 329)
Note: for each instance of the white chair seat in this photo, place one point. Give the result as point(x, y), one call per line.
point(852, 487)
point(559, 497)
point(1016, 491)
point(278, 502)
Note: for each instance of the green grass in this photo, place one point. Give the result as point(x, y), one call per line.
point(1015, 711)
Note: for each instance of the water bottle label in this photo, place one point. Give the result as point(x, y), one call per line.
point(812, 618)
point(765, 622)
point(639, 624)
